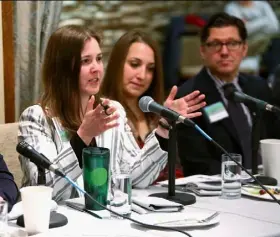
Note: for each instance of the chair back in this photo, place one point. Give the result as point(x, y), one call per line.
point(190, 61)
point(8, 143)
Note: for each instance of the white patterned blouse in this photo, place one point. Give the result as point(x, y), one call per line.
point(46, 135)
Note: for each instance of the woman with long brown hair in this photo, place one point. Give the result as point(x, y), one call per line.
point(69, 117)
point(134, 70)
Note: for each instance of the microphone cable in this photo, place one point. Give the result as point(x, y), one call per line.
point(149, 226)
point(204, 134)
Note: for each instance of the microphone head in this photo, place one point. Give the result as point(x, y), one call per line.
point(229, 90)
point(23, 147)
point(144, 103)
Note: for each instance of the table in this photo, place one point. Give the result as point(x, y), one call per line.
point(240, 217)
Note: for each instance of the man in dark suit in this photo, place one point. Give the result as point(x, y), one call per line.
point(8, 188)
point(223, 46)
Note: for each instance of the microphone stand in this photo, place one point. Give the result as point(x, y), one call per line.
point(41, 179)
point(182, 198)
point(256, 125)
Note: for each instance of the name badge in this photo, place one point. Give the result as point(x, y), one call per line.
point(215, 112)
point(62, 134)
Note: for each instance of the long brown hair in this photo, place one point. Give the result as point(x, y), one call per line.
point(112, 85)
point(60, 74)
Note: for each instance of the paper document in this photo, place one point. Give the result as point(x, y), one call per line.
point(138, 209)
point(157, 204)
point(205, 186)
point(199, 192)
point(195, 179)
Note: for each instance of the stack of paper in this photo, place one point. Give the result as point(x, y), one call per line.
point(155, 204)
point(202, 185)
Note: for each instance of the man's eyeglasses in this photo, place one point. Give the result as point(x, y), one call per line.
point(216, 46)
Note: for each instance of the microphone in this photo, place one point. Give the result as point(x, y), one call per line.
point(231, 93)
point(147, 104)
point(37, 158)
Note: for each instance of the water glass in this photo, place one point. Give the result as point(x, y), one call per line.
point(3, 218)
point(120, 193)
point(231, 177)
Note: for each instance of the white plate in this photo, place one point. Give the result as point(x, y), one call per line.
point(246, 191)
point(177, 220)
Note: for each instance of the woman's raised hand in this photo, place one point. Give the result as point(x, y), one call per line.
point(187, 105)
point(98, 120)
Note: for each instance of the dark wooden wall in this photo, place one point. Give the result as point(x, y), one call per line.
point(8, 60)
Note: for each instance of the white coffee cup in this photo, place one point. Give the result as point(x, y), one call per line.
point(270, 151)
point(36, 201)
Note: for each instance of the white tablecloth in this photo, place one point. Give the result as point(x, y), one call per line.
point(240, 217)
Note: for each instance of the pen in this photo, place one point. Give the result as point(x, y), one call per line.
point(79, 207)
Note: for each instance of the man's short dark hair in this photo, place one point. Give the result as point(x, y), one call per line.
point(222, 20)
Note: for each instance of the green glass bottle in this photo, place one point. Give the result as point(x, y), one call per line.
point(96, 173)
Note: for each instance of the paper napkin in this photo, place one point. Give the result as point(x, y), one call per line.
point(17, 210)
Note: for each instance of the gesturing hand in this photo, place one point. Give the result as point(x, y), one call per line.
point(187, 105)
point(97, 121)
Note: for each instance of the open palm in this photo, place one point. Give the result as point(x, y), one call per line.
point(188, 105)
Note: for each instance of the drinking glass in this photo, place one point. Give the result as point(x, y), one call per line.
point(120, 193)
point(231, 177)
